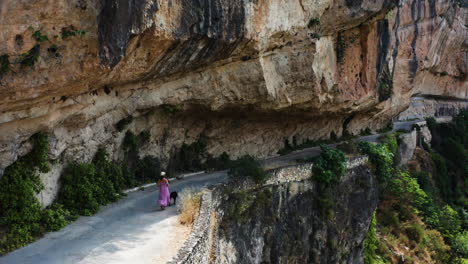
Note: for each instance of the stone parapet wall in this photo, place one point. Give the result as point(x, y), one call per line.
point(196, 248)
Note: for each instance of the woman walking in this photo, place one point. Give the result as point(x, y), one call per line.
point(164, 194)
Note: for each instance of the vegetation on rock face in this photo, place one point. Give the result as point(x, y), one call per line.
point(422, 214)
point(28, 59)
point(20, 211)
point(327, 170)
point(37, 35)
point(71, 31)
point(329, 167)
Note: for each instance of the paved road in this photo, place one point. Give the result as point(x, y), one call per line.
point(132, 229)
point(128, 231)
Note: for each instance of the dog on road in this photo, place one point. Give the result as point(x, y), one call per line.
point(174, 197)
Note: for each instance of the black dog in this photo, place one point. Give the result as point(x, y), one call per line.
point(174, 196)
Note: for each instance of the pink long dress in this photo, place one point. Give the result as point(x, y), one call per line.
point(164, 195)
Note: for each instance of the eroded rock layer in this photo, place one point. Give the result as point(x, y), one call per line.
point(247, 73)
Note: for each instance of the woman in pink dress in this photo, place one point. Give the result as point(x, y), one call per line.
point(164, 194)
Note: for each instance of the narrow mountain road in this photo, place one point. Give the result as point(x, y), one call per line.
point(134, 230)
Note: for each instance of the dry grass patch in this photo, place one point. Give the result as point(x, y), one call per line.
point(189, 206)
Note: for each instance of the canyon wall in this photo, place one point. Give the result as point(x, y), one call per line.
point(248, 74)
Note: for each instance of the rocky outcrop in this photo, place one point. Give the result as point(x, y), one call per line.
point(432, 106)
point(247, 73)
point(285, 222)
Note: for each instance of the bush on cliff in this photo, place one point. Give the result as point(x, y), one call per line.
point(330, 166)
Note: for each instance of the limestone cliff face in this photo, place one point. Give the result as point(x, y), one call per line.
point(287, 222)
point(248, 73)
point(289, 219)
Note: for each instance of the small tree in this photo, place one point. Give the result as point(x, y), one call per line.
point(330, 166)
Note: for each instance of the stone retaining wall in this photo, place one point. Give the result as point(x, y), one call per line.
point(197, 247)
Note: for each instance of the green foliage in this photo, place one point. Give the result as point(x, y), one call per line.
point(28, 59)
point(248, 167)
point(122, 124)
point(313, 22)
point(405, 187)
point(4, 64)
point(78, 191)
point(37, 35)
point(131, 142)
point(86, 186)
point(148, 169)
point(446, 220)
point(71, 32)
point(20, 211)
point(450, 142)
point(329, 167)
point(371, 244)
point(191, 157)
point(385, 90)
point(56, 217)
point(240, 203)
point(381, 158)
point(460, 244)
point(315, 35)
point(170, 109)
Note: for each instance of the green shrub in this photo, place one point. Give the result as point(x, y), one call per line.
point(28, 59)
point(446, 220)
point(313, 22)
point(405, 187)
point(148, 169)
point(248, 167)
point(315, 35)
point(72, 32)
point(20, 211)
point(372, 244)
point(56, 217)
point(78, 189)
point(37, 35)
point(460, 244)
point(131, 142)
point(381, 158)
point(190, 157)
point(330, 166)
